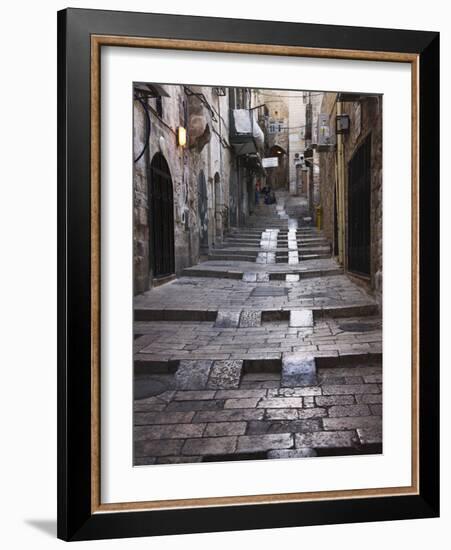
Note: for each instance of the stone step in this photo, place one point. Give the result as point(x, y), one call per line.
point(159, 314)
point(235, 251)
point(320, 312)
point(281, 250)
point(267, 223)
point(216, 274)
point(282, 259)
point(211, 315)
point(233, 257)
point(358, 310)
point(280, 241)
point(228, 247)
point(276, 276)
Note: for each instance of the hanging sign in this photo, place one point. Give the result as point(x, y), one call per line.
point(270, 162)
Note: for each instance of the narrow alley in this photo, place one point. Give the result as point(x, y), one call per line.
point(263, 349)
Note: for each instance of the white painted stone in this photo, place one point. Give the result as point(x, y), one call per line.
point(227, 319)
point(250, 276)
point(293, 257)
point(301, 318)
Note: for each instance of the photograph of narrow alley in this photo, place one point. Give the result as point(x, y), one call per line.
point(257, 274)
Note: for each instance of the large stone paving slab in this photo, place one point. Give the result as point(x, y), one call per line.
point(225, 374)
point(227, 319)
point(298, 370)
point(192, 375)
point(171, 342)
point(301, 318)
point(196, 425)
point(250, 318)
point(292, 453)
point(256, 443)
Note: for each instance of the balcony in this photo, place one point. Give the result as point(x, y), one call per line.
point(246, 136)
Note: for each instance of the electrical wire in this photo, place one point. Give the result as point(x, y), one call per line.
point(201, 97)
point(148, 127)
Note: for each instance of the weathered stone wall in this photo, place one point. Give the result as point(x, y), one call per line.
point(162, 140)
point(366, 116)
point(327, 173)
point(365, 119)
point(276, 102)
point(207, 151)
point(297, 134)
point(210, 153)
point(140, 228)
point(296, 119)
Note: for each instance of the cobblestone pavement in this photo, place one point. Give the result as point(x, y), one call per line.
point(214, 294)
point(258, 359)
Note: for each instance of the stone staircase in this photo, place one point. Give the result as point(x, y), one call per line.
point(276, 234)
point(264, 351)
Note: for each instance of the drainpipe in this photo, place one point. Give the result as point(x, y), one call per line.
point(341, 194)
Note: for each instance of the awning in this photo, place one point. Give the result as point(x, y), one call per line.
point(245, 122)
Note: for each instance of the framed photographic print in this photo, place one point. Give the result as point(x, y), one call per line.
point(248, 274)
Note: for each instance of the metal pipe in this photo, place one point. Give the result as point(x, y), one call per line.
point(341, 194)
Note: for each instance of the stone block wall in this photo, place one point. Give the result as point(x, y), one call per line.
point(366, 116)
point(327, 173)
point(207, 150)
point(365, 119)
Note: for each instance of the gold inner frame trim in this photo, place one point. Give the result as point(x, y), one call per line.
point(97, 41)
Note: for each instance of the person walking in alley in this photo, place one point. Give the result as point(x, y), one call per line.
point(257, 192)
point(270, 197)
point(266, 191)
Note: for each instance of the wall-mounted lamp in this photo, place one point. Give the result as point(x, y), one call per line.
point(342, 124)
point(181, 136)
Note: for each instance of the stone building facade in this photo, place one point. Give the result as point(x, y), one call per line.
point(304, 108)
point(277, 135)
point(188, 195)
point(351, 184)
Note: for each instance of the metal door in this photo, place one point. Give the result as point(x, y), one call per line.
point(359, 209)
point(161, 213)
point(202, 206)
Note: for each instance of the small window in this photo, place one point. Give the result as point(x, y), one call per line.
point(275, 127)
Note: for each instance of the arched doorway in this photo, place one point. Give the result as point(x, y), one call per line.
point(161, 217)
point(277, 151)
point(202, 208)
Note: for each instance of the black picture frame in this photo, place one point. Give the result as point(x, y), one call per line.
point(76, 520)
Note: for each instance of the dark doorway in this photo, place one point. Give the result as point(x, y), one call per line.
point(335, 224)
point(202, 206)
point(233, 199)
point(359, 209)
point(278, 176)
point(161, 214)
